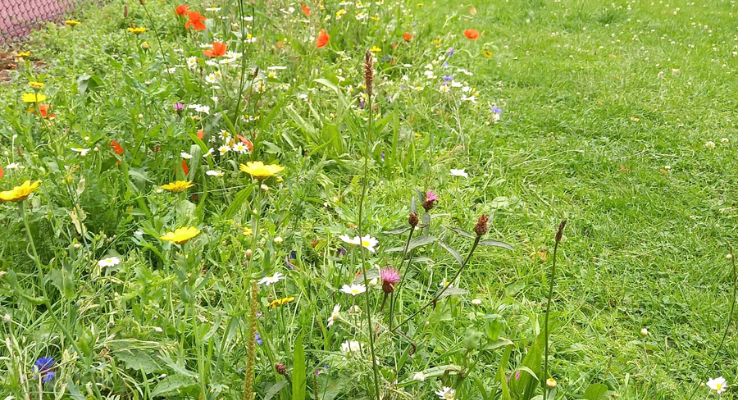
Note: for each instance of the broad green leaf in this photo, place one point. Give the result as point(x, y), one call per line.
point(299, 373)
point(596, 391)
point(239, 199)
point(172, 385)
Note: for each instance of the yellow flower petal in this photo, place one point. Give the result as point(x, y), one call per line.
point(19, 193)
point(257, 169)
point(181, 235)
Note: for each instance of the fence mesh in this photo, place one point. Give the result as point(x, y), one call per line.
point(19, 17)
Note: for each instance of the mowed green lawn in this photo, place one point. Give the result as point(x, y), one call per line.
point(610, 108)
point(620, 117)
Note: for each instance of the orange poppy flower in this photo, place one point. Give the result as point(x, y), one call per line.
point(322, 39)
point(199, 134)
point(2, 173)
point(116, 147)
point(182, 10)
point(471, 34)
point(246, 142)
point(218, 49)
point(408, 36)
point(195, 21)
point(44, 111)
point(185, 167)
point(305, 9)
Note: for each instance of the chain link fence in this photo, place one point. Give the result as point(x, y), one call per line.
point(19, 17)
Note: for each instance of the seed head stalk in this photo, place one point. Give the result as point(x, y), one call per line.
point(558, 237)
point(368, 84)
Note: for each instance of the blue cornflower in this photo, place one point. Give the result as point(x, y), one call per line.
point(496, 110)
point(450, 52)
point(43, 366)
point(447, 78)
point(258, 339)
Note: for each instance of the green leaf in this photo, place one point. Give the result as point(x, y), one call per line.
point(275, 389)
point(138, 360)
point(452, 252)
point(596, 391)
point(299, 388)
point(414, 243)
point(495, 243)
point(239, 199)
point(453, 291)
point(397, 231)
point(462, 232)
point(172, 385)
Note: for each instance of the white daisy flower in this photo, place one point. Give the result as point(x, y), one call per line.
point(81, 151)
point(186, 155)
point(108, 262)
point(459, 172)
point(367, 241)
point(213, 172)
point(335, 314)
point(446, 393)
point(353, 289)
point(270, 280)
point(350, 346)
point(419, 376)
point(239, 148)
point(224, 149)
point(718, 385)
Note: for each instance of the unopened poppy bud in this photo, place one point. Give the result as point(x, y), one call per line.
point(551, 383)
point(281, 369)
point(413, 219)
point(481, 227)
point(125, 11)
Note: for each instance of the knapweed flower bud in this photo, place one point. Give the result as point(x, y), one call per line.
point(281, 369)
point(430, 199)
point(481, 227)
point(368, 72)
point(558, 236)
point(389, 277)
point(551, 383)
point(413, 219)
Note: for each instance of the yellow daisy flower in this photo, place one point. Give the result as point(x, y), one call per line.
point(181, 235)
point(257, 169)
point(281, 302)
point(72, 22)
point(375, 49)
point(19, 193)
point(137, 30)
point(33, 97)
point(177, 186)
point(487, 53)
point(36, 85)
point(23, 54)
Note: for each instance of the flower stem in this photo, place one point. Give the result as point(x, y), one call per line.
point(249, 393)
point(40, 271)
point(440, 293)
point(558, 237)
point(376, 377)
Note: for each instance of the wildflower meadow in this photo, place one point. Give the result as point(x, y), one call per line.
point(393, 199)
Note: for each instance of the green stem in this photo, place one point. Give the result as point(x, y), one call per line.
point(376, 376)
point(558, 237)
point(440, 293)
point(40, 271)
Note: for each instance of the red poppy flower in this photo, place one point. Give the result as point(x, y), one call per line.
point(246, 142)
point(218, 49)
point(471, 34)
point(116, 147)
point(195, 21)
point(322, 39)
point(185, 167)
point(44, 111)
point(305, 9)
point(199, 134)
point(408, 36)
point(182, 10)
point(1, 172)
